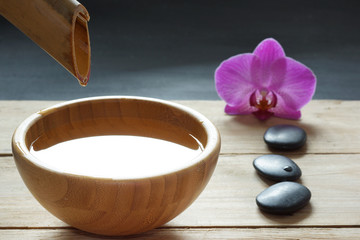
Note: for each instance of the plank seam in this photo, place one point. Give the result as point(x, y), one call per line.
point(199, 227)
point(288, 153)
point(251, 153)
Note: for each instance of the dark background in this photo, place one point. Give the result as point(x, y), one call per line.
point(170, 49)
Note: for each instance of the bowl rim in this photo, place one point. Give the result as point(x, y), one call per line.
point(19, 145)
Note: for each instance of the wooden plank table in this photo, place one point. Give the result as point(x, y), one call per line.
point(226, 209)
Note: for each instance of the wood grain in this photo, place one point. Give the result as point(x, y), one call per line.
point(229, 198)
point(58, 27)
point(226, 209)
point(325, 121)
point(194, 234)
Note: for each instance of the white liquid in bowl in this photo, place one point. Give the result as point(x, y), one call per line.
point(117, 156)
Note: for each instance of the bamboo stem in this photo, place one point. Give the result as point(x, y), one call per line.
point(58, 26)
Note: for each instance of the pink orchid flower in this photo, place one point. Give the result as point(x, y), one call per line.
point(265, 83)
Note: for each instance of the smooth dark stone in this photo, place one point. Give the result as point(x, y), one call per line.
point(285, 137)
point(277, 168)
point(283, 198)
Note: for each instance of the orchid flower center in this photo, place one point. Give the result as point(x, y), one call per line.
point(263, 100)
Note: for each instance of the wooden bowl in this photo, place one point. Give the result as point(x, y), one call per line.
point(116, 204)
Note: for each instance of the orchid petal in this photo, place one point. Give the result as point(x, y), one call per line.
point(298, 86)
point(268, 51)
point(263, 115)
point(282, 110)
point(289, 114)
point(256, 74)
point(233, 80)
point(278, 72)
point(242, 110)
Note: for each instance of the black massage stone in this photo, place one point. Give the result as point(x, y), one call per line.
point(283, 198)
point(285, 137)
point(277, 168)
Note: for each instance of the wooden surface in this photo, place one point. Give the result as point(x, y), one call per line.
point(226, 209)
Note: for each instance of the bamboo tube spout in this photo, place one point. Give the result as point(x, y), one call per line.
point(58, 26)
